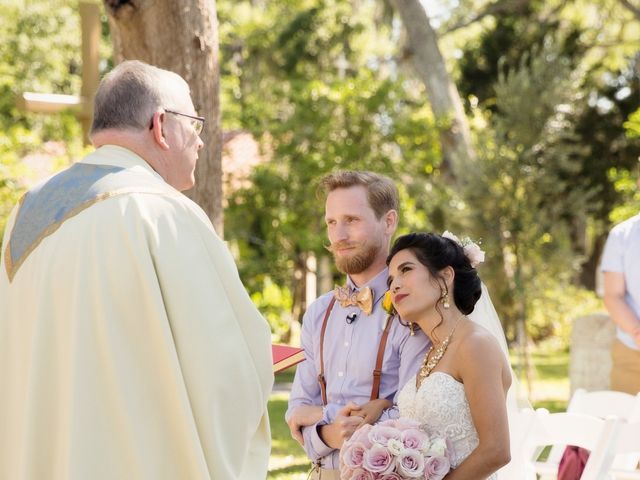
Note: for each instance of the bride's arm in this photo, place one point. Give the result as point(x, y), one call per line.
point(485, 373)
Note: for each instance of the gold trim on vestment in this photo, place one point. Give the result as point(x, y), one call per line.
point(12, 268)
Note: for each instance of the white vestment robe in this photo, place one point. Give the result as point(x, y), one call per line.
point(129, 348)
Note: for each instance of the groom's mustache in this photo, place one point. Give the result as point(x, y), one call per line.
point(340, 245)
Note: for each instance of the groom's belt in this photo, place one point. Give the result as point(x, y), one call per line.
point(324, 474)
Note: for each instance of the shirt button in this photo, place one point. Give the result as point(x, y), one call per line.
point(340, 374)
point(346, 344)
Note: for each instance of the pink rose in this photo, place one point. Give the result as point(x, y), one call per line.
point(345, 472)
point(411, 464)
point(380, 434)
point(391, 476)
point(389, 423)
point(406, 423)
point(378, 460)
point(352, 454)
point(414, 438)
point(435, 468)
point(361, 435)
point(360, 474)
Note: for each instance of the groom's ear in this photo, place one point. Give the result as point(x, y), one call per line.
point(391, 221)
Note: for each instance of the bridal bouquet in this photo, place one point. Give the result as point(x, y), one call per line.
point(393, 450)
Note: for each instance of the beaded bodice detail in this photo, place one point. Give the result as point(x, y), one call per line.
point(441, 407)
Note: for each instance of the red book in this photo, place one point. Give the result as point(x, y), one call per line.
point(285, 356)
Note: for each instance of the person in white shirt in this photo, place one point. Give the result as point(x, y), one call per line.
point(621, 274)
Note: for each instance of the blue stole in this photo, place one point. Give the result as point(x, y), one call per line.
point(44, 208)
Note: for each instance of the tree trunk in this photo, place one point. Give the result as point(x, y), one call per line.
point(443, 95)
point(181, 37)
point(589, 268)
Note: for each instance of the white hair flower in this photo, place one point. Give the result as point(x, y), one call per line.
point(472, 250)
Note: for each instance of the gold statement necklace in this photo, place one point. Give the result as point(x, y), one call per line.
point(430, 363)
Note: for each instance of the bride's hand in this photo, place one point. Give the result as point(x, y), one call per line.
point(347, 421)
point(371, 411)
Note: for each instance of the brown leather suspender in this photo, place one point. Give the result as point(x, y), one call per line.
point(377, 372)
point(321, 380)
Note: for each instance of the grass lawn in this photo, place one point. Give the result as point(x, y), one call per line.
point(549, 389)
point(550, 380)
point(288, 460)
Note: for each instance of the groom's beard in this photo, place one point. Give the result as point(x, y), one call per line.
point(356, 261)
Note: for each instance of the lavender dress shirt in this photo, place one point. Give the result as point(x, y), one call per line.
point(350, 352)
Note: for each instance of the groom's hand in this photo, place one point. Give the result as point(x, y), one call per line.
point(303, 416)
point(371, 411)
point(346, 422)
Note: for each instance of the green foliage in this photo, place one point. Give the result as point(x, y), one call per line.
point(554, 305)
point(39, 52)
point(632, 125)
point(549, 118)
point(527, 176)
point(311, 81)
point(272, 301)
point(505, 46)
point(625, 183)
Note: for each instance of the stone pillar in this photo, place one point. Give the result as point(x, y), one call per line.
point(590, 358)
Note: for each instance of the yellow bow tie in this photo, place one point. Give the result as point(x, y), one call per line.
point(362, 299)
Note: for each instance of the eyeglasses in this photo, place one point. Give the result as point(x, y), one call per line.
point(197, 123)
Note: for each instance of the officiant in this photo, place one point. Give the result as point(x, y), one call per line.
point(129, 347)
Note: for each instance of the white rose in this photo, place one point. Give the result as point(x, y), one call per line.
point(438, 447)
point(426, 448)
point(451, 236)
point(394, 446)
point(475, 255)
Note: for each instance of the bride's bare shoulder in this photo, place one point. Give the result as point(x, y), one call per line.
point(478, 345)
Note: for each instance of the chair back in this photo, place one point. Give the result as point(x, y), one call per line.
point(601, 403)
point(626, 443)
point(586, 431)
point(520, 424)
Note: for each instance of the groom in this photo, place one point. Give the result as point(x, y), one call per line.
point(356, 360)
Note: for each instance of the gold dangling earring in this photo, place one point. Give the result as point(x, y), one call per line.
point(411, 330)
point(445, 300)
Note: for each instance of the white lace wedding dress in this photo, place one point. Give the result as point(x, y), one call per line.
point(441, 407)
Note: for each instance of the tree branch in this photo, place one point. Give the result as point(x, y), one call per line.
point(632, 8)
point(499, 7)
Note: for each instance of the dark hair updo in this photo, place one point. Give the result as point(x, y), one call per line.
point(435, 253)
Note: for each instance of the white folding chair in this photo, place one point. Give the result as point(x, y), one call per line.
point(586, 431)
point(625, 443)
point(520, 425)
point(602, 403)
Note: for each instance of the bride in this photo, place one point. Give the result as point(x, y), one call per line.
point(460, 391)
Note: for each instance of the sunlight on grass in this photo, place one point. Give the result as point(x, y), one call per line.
point(550, 386)
point(288, 460)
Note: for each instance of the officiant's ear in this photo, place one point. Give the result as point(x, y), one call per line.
point(157, 129)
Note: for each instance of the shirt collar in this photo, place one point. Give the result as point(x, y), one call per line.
point(378, 283)
point(119, 157)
